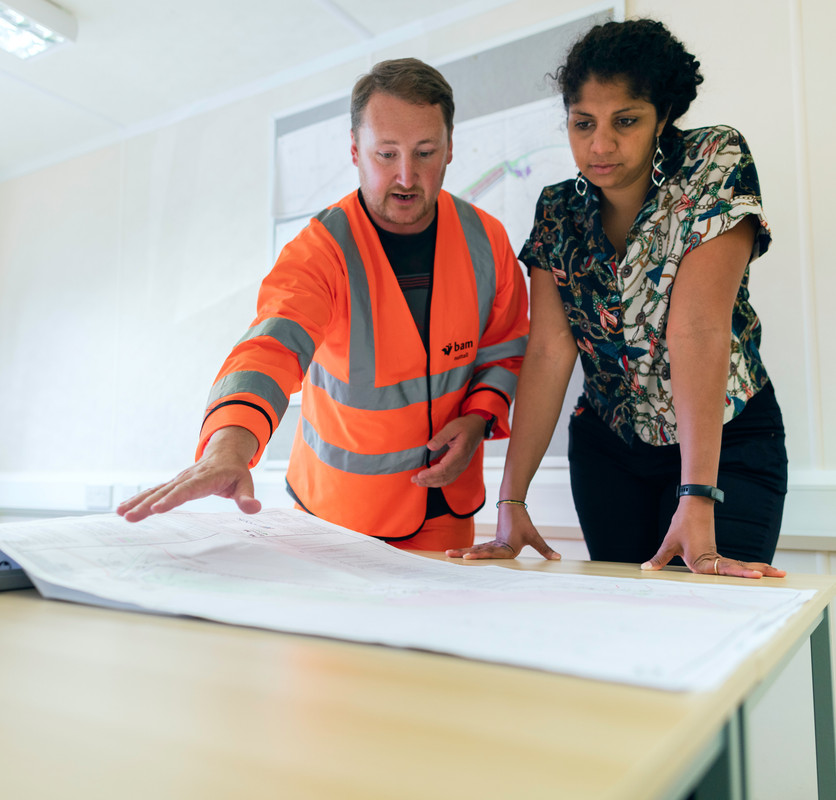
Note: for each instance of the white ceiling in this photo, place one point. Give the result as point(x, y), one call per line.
point(137, 65)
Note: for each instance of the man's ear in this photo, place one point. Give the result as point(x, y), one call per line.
point(354, 154)
point(450, 146)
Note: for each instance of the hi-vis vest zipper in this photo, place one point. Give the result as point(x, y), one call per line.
point(332, 311)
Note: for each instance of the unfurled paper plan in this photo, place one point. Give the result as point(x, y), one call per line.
point(288, 571)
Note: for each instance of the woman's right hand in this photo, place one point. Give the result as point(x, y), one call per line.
point(513, 532)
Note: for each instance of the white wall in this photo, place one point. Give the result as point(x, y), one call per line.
point(126, 273)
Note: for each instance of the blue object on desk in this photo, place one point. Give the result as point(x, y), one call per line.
point(12, 575)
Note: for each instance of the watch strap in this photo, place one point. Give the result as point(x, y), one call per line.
point(700, 490)
point(490, 420)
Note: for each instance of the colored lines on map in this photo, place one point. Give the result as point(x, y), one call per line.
point(517, 168)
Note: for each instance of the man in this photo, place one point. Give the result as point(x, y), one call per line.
point(401, 312)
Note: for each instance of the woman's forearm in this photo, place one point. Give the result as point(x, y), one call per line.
point(540, 391)
point(699, 361)
point(698, 338)
point(546, 369)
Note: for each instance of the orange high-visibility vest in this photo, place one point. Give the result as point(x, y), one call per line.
point(331, 314)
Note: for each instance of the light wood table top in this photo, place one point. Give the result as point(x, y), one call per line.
point(98, 703)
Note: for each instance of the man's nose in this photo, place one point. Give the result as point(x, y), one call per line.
point(406, 171)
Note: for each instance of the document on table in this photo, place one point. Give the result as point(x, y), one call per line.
point(289, 571)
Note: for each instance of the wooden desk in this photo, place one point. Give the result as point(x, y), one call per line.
point(96, 703)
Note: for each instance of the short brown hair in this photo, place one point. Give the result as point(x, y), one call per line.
point(407, 79)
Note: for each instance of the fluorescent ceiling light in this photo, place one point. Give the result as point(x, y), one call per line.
point(28, 27)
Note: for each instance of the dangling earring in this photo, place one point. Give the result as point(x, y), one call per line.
point(657, 176)
point(581, 184)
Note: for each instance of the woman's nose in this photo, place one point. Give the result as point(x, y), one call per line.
point(603, 140)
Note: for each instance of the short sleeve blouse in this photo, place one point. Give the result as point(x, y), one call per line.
point(618, 310)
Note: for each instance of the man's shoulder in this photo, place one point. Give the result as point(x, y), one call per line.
point(453, 202)
point(332, 220)
point(350, 203)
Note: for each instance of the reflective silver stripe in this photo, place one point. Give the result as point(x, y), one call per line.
point(361, 391)
point(361, 357)
point(481, 256)
point(362, 463)
point(251, 382)
point(287, 333)
point(385, 398)
point(496, 352)
point(497, 378)
point(451, 380)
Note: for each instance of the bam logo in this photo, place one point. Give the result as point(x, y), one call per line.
point(457, 347)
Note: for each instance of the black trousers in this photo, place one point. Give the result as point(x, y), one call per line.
point(625, 493)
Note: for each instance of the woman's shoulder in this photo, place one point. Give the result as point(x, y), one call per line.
point(558, 198)
point(558, 192)
point(712, 144)
point(714, 132)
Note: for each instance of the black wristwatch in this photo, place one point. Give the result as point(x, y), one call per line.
point(700, 490)
point(489, 425)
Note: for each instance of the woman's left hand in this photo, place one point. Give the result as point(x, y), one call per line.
point(691, 535)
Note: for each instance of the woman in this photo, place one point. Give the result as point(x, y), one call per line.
point(641, 264)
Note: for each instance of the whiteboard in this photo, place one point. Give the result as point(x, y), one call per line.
point(509, 138)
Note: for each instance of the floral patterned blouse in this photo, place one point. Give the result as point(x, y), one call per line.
point(618, 310)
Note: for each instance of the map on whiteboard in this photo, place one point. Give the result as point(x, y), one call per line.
point(500, 163)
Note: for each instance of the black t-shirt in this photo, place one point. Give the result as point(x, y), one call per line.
point(411, 256)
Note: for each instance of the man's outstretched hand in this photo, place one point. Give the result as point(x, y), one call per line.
point(222, 470)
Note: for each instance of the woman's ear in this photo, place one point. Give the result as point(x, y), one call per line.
point(660, 125)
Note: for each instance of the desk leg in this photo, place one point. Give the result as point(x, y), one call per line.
point(726, 779)
point(823, 708)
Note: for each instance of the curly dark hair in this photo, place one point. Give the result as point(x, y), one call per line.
point(654, 63)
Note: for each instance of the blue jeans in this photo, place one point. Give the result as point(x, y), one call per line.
point(625, 493)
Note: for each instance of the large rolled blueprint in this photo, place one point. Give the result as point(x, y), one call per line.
point(288, 571)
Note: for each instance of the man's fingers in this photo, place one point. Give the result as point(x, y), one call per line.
point(186, 486)
point(438, 441)
point(442, 472)
point(175, 494)
point(430, 477)
point(133, 502)
point(202, 484)
point(248, 504)
point(148, 504)
point(244, 495)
